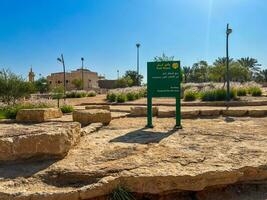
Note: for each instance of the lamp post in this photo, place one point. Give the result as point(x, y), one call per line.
point(137, 46)
point(82, 59)
point(118, 74)
point(64, 71)
point(228, 32)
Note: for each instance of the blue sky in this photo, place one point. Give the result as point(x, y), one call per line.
point(104, 32)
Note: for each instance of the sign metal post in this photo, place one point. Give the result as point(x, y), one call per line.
point(164, 80)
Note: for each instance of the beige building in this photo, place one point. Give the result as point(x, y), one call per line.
point(90, 79)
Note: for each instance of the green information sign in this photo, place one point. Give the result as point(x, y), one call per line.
point(163, 80)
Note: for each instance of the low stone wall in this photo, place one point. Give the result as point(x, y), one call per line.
point(141, 111)
point(86, 117)
point(103, 107)
point(38, 115)
point(37, 141)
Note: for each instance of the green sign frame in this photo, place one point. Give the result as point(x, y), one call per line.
point(164, 80)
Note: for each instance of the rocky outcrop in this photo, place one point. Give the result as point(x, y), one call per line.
point(160, 162)
point(86, 117)
point(43, 141)
point(38, 114)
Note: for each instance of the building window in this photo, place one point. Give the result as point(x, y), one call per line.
point(67, 81)
point(50, 82)
point(58, 82)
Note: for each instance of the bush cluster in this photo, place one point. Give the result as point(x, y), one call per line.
point(217, 95)
point(66, 108)
point(10, 111)
point(80, 94)
point(254, 91)
point(241, 91)
point(190, 95)
point(121, 97)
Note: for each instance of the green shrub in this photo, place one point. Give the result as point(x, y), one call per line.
point(91, 94)
point(112, 97)
point(217, 95)
point(190, 95)
point(131, 96)
point(10, 112)
point(241, 91)
point(121, 98)
point(120, 193)
point(255, 91)
point(66, 108)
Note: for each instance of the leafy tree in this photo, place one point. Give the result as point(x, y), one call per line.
point(186, 73)
point(77, 84)
point(41, 85)
point(163, 58)
point(264, 74)
point(199, 72)
point(124, 82)
point(58, 93)
point(13, 87)
point(136, 78)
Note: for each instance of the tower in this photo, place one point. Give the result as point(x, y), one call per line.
point(31, 75)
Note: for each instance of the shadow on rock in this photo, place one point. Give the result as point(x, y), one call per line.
point(143, 136)
point(25, 169)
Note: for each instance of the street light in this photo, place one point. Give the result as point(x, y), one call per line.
point(118, 74)
point(137, 46)
point(228, 32)
point(82, 59)
point(64, 71)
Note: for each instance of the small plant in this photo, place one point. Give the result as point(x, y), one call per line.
point(255, 91)
point(111, 97)
point(241, 91)
point(120, 193)
point(66, 108)
point(190, 95)
point(131, 96)
point(217, 95)
point(121, 98)
point(91, 94)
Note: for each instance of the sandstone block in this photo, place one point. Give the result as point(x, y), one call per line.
point(190, 114)
point(38, 115)
point(210, 113)
point(235, 113)
point(141, 111)
point(42, 141)
point(103, 107)
point(86, 117)
point(166, 113)
point(257, 113)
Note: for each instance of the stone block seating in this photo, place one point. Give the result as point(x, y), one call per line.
point(86, 117)
point(42, 141)
point(140, 111)
point(38, 115)
point(102, 107)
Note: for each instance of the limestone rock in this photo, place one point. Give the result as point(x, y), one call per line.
point(38, 114)
point(37, 141)
point(257, 113)
point(166, 113)
point(234, 113)
point(190, 114)
point(86, 117)
point(210, 113)
point(141, 111)
point(103, 107)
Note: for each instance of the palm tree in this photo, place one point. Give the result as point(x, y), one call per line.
point(221, 61)
point(162, 58)
point(187, 71)
point(249, 63)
